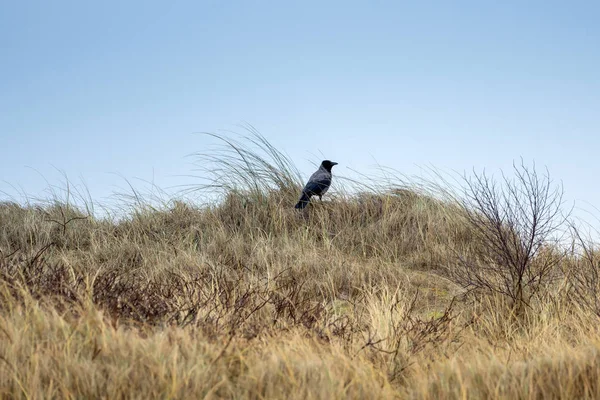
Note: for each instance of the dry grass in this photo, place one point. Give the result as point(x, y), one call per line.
point(247, 298)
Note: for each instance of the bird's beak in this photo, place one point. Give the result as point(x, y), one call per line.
point(334, 163)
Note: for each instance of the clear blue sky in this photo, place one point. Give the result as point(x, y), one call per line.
point(101, 89)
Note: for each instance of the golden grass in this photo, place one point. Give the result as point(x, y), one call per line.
point(48, 355)
point(248, 298)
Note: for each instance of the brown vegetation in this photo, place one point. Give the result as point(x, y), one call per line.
point(367, 295)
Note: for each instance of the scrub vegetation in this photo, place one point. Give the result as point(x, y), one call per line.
point(483, 288)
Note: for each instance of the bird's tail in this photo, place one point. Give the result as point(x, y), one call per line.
point(303, 202)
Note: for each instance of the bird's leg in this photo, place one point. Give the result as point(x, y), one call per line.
point(320, 198)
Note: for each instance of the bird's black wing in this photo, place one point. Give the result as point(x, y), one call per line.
point(316, 187)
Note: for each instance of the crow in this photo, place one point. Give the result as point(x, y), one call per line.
point(318, 184)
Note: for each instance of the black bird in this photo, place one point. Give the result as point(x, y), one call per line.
point(318, 183)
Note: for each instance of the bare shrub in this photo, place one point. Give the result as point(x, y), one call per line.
point(513, 222)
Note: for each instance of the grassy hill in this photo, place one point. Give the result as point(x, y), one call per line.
point(382, 292)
